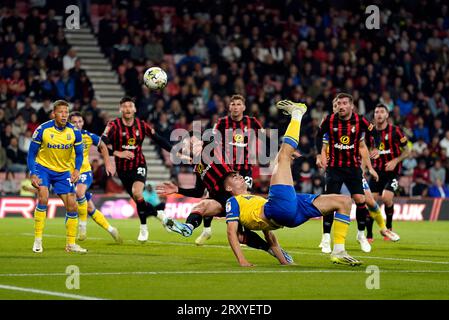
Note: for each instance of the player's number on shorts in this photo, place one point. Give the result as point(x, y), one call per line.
point(249, 182)
point(141, 171)
point(395, 184)
point(70, 182)
point(83, 177)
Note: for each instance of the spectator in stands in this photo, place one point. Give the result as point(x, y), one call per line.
point(445, 144)
point(65, 87)
point(84, 90)
point(27, 110)
point(16, 85)
point(438, 190)
point(18, 126)
point(16, 157)
point(43, 114)
point(437, 172)
point(54, 60)
point(421, 178)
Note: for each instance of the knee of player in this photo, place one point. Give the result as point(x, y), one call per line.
point(79, 194)
point(346, 203)
point(359, 199)
point(42, 199)
point(199, 209)
point(90, 206)
point(387, 201)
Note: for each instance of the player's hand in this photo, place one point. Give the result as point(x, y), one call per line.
point(296, 154)
point(74, 176)
point(110, 169)
point(166, 188)
point(321, 163)
point(245, 263)
point(124, 154)
point(374, 154)
point(374, 174)
point(184, 158)
point(390, 165)
point(35, 181)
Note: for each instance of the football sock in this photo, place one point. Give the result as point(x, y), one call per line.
point(194, 219)
point(99, 218)
point(291, 136)
point(327, 223)
point(377, 216)
point(82, 210)
point(369, 227)
point(144, 209)
point(253, 240)
point(341, 226)
point(389, 214)
point(39, 220)
point(360, 214)
point(71, 226)
point(207, 221)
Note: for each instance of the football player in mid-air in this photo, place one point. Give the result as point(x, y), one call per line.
point(84, 199)
point(284, 207)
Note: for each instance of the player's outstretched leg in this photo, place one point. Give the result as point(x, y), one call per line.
point(341, 205)
point(207, 232)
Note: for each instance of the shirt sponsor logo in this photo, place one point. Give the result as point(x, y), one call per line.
point(343, 147)
point(59, 146)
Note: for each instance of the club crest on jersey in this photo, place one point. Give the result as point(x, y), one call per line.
point(352, 129)
point(386, 136)
point(123, 134)
point(69, 136)
point(137, 133)
point(335, 129)
point(52, 135)
point(344, 139)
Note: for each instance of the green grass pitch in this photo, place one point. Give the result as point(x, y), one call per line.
point(170, 267)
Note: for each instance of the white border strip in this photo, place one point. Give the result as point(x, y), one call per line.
point(49, 293)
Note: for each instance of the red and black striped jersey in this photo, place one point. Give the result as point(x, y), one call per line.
point(391, 139)
point(237, 139)
point(344, 138)
point(212, 171)
point(128, 138)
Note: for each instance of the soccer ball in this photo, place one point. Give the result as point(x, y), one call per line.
point(155, 78)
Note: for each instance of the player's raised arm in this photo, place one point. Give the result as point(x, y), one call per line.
point(160, 141)
point(167, 188)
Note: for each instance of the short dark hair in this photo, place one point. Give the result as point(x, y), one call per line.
point(381, 105)
point(342, 95)
point(238, 97)
point(58, 103)
point(75, 114)
point(126, 99)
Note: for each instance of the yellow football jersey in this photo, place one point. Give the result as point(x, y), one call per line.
point(247, 209)
point(57, 145)
point(89, 139)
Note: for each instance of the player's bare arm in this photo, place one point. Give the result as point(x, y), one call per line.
point(110, 169)
point(232, 229)
point(391, 165)
point(366, 162)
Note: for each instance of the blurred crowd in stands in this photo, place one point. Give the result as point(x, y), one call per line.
point(265, 50)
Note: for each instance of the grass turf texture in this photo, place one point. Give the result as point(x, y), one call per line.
point(170, 267)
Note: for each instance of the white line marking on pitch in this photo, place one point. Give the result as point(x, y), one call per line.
point(211, 272)
point(49, 293)
point(247, 248)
